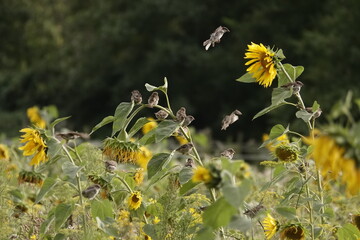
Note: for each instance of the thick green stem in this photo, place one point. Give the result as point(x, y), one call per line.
point(133, 114)
point(79, 190)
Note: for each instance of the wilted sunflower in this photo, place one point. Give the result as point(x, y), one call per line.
point(293, 232)
point(121, 151)
point(262, 65)
point(4, 152)
point(134, 201)
point(271, 226)
point(33, 114)
point(34, 145)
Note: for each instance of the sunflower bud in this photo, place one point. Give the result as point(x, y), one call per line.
point(30, 177)
point(286, 153)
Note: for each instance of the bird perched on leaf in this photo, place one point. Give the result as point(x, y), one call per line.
point(215, 37)
point(229, 153)
point(91, 191)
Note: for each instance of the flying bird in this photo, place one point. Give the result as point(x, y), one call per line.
point(215, 37)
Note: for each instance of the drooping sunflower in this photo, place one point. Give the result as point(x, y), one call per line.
point(293, 232)
point(35, 144)
point(121, 151)
point(4, 152)
point(271, 226)
point(33, 114)
point(134, 201)
point(262, 64)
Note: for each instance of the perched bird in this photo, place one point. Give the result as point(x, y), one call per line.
point(91, 191)
point(252, 212)
point(181, 114)
point(161, 114)
point(189, 163)
point(110, 166)
point(215, 37)
point(72, 135)
point(153, 99)
point(229, 153)
point(136, 97)
point(188, 120)
point(186, 148)
point(230, 119)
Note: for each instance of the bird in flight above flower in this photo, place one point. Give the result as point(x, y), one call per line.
point(215, 37)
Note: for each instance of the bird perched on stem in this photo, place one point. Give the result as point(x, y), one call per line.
point(215, 37)
point(91, 191)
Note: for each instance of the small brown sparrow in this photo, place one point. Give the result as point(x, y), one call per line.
point(153, 99)
point(188, 120)
point(230, 119)
point(189, 163)
point(136, 97)
point(91, 191)
point(181, 114)
point(215, 37)
point(229, 153)
point(161, 114)
point(186, 148)
point(110, 166)
point(72, 135)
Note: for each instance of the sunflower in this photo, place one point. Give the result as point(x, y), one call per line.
point(283, 139)
point(271, 226)
point(286, 153)
point(356, 220)
point(293, 232)
point(143, 157)
point(33, 114)
point(139, 176)
point(201, 174)
point(149, 126)
point(262, 65)
point(34, 145)
point(121, 151)
point(134, 201)
point(4, 152)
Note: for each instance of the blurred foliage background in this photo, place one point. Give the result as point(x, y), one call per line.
point(86, 57)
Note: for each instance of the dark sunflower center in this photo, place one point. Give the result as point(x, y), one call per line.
point(135, 199)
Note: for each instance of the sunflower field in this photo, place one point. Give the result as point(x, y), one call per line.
point(154, 176)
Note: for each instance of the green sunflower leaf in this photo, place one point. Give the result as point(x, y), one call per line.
point(268, 109)
point(158, 162)
point(48, 184)
point(292, 71)
point(279, 95)
point(165, 129)
point(185, 174)
point(304, 115)
point(162, 88)
point(101, 209)
point(218, 214)
point(57, 121)
point(246, 78)
point(138, 125)
point(105, 121)
point(187, 187)
point(288, 212)
point(348, 232)
point(62, 212)
point(235, 195)
point(120, 116)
